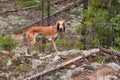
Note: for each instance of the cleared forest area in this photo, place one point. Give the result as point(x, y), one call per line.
point(89, 49)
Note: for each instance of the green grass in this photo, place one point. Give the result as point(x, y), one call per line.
point(27, 3)
point(78, 45)
point(62, 44)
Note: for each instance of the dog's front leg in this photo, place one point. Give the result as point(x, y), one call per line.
point(54, 45)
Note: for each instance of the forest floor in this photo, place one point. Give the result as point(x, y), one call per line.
point(15, 66)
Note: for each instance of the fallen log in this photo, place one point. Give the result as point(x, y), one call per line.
point(63, 65)
point(108, 51)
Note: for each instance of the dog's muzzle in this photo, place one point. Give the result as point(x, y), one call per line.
point(61, 30)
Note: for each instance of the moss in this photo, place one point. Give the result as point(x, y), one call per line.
point(101, 59)
point(42, 66)
point(24, 68)
point(1, 54)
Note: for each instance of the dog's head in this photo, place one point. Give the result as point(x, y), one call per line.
point(61, 25)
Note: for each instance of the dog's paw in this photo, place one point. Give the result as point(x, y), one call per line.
point(58, 52)
point(28, 55)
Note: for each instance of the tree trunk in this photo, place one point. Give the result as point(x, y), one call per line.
point(84, 28)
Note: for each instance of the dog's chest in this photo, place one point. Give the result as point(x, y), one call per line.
point(50, 37)
point(55, 35)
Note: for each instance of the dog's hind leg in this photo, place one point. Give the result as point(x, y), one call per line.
point(31, 42)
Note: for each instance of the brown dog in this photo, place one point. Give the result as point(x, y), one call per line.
point(50, 31)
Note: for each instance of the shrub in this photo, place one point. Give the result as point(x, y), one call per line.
point(34, 48)
point(95, 42)
point(78, 45)
point(6, 42)
point(62, 44)
point(78, 28)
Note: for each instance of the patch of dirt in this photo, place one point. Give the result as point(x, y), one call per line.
point(96, 73)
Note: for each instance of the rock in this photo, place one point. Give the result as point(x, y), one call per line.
point(17, 50)
point(115, 66)
point(3, 24)
point(63, 53)
point(9, 62)
point(6, 75)
point(4, 0)
point(14, 19)
point(58, 74)
point(19, 78)
point(72, 16)
point(66, 76)
point(42, 58)
point(40, 54)
point(5, 52)
point(72, 66)
point(48, 78)
point(77, 70)
point(95, 65)
point(56, 58)
point(63, 77)
point(48, 56)
point(17, 55)
point(68, 22)
point(69, 74)
point(108, 78)
point(74, 51)
point(34, 52)
point(36, 63)
point(70, 52)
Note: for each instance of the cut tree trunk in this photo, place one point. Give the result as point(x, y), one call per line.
point(108, 51)
point(63, 65)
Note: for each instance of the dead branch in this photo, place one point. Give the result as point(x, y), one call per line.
point(28, 8)
point(16, 10)
point(108, 51)
point(63, 65)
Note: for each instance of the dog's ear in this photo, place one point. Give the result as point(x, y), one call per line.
point(58, 24)
point(64, 25)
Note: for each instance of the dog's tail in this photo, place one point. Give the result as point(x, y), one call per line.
point(18, 37)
